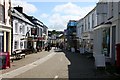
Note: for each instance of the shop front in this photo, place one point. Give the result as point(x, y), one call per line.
point(87, 42)
point(106, 42)
point(101, 46)
point(5, 40)
point(40, 43)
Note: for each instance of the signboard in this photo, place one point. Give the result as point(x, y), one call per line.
point(33, 31)
point(4, 60)
point(40, 38)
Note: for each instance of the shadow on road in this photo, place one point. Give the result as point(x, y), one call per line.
point(82, 67)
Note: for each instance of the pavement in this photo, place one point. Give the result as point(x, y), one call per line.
point(82, 66)
point(24, 61)
point(56, 64)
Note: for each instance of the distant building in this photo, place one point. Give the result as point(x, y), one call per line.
point(5, 26)
point(45, 33)
point(85, 32)
point(71, 34)
point(41, 36)
point(21, 29)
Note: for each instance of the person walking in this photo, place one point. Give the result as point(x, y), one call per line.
point(48, 47)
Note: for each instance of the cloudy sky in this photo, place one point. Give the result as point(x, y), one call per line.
point(56, 14)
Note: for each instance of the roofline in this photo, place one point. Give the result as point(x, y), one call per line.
point(23, 20)
point(90, 12)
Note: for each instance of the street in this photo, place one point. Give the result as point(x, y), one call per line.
point(53, 65)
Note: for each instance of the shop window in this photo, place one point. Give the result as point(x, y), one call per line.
point(7, 41)
point(16, 45)
point(1, 42)
point(25, 44)
point(106, 42)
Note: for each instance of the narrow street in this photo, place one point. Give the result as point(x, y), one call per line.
point(59, 39)
point(54, 64)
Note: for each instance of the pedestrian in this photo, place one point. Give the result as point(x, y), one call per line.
point(57, 45)
point(48, 47)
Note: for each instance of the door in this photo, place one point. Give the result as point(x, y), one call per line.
point(113, 45)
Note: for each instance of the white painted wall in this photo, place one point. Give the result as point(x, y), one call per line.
point(20, 35)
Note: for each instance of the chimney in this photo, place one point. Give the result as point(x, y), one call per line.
point(19, 9)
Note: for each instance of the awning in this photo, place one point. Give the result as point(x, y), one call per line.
point(102, 26)
point(26, 39)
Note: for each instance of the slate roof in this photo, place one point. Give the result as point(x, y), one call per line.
point(19, 15)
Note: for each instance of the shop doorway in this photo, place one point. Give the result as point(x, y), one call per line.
point(113, 54)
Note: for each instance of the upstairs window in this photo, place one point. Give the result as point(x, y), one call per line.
point(15, 44)
point(2, 12)
point(21, 29)
point(16, 27)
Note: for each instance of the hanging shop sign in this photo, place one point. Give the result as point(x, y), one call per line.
point(4, 60)
point(40, 38)
point(33, 31)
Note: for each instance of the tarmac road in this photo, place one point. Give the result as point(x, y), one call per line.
point(56, 64)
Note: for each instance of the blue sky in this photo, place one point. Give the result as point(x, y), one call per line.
point(55, 15)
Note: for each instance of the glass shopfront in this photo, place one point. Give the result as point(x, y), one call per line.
point(106, 42)
point(1, 42)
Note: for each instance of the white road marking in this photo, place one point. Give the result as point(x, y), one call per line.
point(23, 69)
point(55, 77)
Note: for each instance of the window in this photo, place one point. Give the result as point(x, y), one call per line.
point(112, 10)
point(16, 27)
point(40, 32)
point(2, 19)
point(15, 44)
point(88, 22)
point(21, 44)
point(21, 29)
point(25, 44)
point(27, 29)
point(85, 25)
point(1, 42)
point(106, 42)
point(93, 20)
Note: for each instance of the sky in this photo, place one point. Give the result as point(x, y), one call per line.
point(56, 14)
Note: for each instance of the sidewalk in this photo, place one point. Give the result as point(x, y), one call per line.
point(83, 67)
point(27, 60)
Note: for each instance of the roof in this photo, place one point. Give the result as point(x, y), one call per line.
point(19, 15)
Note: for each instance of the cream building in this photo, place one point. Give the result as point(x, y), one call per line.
point(5, 26)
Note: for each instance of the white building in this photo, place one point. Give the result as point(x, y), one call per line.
point(5, 26)
point(79, 32)
point(107, 30)
point(85, 30)
point(21, 26)
point(45, 34)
